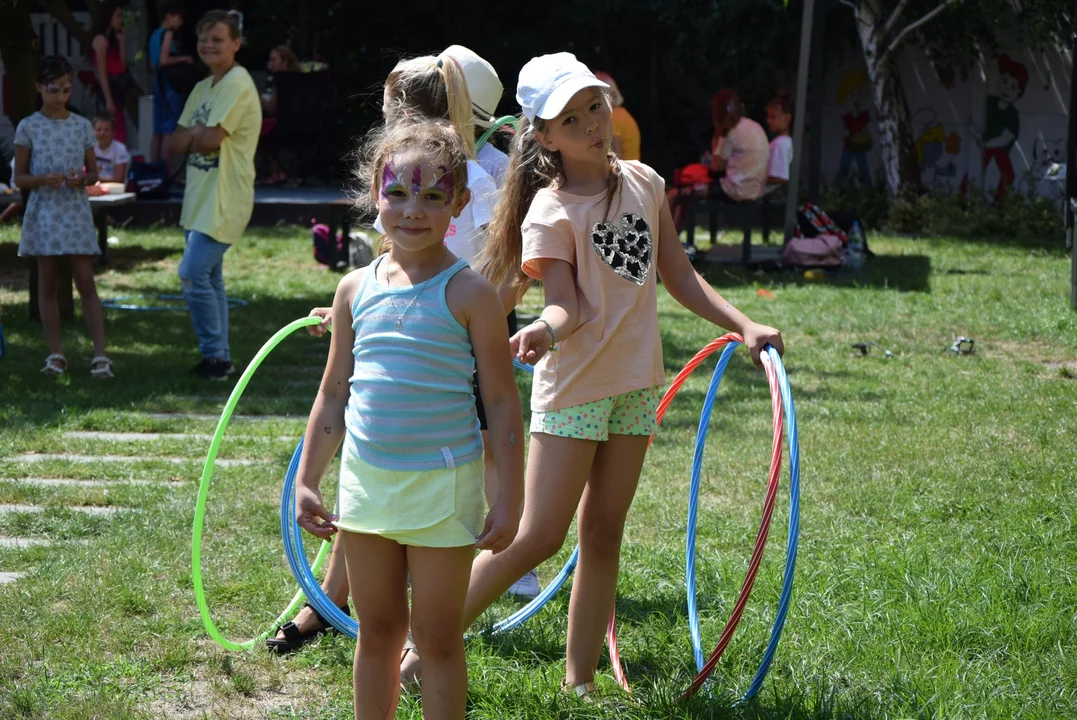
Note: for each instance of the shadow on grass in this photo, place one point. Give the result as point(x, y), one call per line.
point(153, 353)
point(902, 273)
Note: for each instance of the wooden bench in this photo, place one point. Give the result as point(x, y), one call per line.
point(767, 213)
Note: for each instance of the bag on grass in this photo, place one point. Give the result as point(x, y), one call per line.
point(812, 222)
point(322, 248)
point(819, 251)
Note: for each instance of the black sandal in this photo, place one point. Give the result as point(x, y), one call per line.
point(294, 639)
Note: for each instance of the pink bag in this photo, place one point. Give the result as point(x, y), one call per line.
point(818, 251)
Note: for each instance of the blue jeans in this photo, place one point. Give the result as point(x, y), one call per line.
point(201, 274)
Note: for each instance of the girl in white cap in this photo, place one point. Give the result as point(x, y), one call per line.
point(594, 230)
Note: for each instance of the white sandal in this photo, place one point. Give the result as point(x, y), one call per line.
point(105, 371)
point(53, 366)
point(407, 685)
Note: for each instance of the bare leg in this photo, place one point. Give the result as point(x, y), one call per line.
point(82, 271)
point(48, 277)
point(335, 586)
point(614, 477)
point(557, 471)
point(382, 608)
point(439, 579)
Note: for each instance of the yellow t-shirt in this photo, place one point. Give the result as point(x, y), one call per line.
point(219, 197)
point(625, 127)
point(616, 347)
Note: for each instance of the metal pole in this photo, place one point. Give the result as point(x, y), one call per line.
point(1071, 172)
point(798, 118)
point(815, 112)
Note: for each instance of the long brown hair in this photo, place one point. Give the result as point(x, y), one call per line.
point(531, 168)
point(288, 57)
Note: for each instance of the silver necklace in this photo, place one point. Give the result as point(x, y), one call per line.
point(388, 284)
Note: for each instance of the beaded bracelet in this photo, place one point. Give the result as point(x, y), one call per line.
point(549, 329)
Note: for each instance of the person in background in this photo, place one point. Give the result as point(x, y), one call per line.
point(112, 156)
point(52, 147)
point(167, 99)
point(626, 138)
point(737, 160)
point(779, 120)
point(281, 59)
point(218, 132)
point(14, 208)
point(116, 89)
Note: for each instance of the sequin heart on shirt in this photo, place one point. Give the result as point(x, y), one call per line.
point(625, 246)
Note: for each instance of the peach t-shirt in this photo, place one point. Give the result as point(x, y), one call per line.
point(616, 347)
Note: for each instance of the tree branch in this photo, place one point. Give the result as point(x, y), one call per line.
point(912, 27)
point(893, 18)
point(59, 9)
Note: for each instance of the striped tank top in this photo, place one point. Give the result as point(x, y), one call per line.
point(411, 405)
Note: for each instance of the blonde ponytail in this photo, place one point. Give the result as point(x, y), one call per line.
point(431, 87)
point(458, 99)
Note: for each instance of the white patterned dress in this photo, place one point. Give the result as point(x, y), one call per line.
point(58, 221)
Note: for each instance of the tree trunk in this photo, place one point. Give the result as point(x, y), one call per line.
point(20, 50)
point(896, 143)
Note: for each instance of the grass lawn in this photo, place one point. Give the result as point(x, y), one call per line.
point(937, 573)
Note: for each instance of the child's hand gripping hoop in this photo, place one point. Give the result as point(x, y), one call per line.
point(780, 393)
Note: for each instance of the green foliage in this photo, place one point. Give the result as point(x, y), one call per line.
point(1021, 217)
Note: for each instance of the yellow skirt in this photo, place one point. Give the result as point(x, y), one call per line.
point(425, 508)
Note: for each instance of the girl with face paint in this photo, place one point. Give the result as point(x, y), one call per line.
point(409, 331)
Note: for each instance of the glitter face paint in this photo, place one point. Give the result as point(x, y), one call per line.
point(389, 181)
point(444, 183)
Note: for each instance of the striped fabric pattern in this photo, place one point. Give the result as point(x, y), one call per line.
point(412, 403)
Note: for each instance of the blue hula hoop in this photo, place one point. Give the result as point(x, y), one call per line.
point(120, 303)
point(693, 503)
point(3, 342)
point(794, 517)
point(295, 553)
point(794, 526)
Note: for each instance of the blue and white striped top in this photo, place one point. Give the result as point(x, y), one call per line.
point(412, 403)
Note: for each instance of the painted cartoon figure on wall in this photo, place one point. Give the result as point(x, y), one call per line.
point(853, 98)
point(1002, 122)
point(937, 150)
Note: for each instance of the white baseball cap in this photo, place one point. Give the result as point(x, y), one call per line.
point(483, 84)
point(548, 82)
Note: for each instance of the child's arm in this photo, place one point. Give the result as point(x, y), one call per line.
point(561, 311)
point(694, 293)
point(119, 173)
point(89, 161)
point(325, 428)
point(471, 295)
point(100, 51)
point(24, 180)
point(167, 58)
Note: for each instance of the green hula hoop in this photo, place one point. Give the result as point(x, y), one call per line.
point(500, 122)
point(203, 492)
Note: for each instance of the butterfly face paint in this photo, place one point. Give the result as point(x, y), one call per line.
point(440, 189)
point(389, 181)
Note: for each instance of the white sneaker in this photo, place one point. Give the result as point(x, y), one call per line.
point(527, 587)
